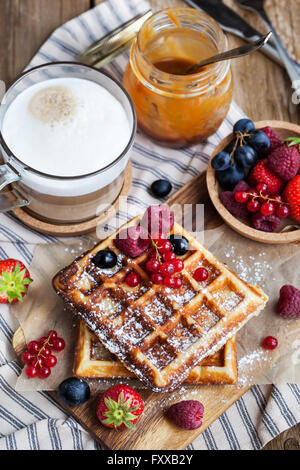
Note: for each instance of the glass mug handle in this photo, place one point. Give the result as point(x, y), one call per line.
point(13, 198)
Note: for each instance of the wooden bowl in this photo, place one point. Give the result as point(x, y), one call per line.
point(285, 129)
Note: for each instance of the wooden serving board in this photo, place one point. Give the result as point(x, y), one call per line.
point(154, 431)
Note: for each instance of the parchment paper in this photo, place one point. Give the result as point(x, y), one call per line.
point(269, 266)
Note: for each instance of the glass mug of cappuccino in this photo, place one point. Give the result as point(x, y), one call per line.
point(66, 131)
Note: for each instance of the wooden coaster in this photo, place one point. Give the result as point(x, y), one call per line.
point(70, 230)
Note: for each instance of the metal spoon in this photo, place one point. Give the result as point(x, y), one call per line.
point(232, 54)
point(258, 7)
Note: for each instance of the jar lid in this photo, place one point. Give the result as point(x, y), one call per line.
point(113, 43)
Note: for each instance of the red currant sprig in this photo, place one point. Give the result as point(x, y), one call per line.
point(39, 357)
point(163, 263)
point(258, 199)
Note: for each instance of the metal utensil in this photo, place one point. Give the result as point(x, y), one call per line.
point(258, 7)
point(233, 23)
point(232, 54)
point(113, 43)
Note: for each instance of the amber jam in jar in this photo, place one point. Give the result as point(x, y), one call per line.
point(173, 108)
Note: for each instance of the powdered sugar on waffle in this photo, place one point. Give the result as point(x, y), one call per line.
point(158, 311)
point(178, 297)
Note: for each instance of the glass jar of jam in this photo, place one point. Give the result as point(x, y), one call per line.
point(175, 108)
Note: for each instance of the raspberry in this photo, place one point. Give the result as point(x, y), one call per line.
point(289, 302)
point(235, 208)
point(274, 138)
point(262, 174)
point(186, 414)
point(284, 162)
point(132, 241)
point(266, 223)
point(158, 219)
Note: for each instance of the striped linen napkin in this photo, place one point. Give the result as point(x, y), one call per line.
point(33, 420)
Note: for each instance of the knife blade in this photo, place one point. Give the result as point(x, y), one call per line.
point(233, 23)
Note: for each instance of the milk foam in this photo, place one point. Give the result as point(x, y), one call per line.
point(66, 127)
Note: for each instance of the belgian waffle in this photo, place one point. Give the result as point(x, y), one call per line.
point(94, 361)
point(159, 333)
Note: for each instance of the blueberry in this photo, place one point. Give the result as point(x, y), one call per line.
point(161, 188)
point(221, 161)
point(229, 178)
point(245, 156)
point(105, 259)
point(244, 126)
point(259, 141)
point(180, 244)
point(74, 391)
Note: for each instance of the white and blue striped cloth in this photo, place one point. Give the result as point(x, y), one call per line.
point(33, 420)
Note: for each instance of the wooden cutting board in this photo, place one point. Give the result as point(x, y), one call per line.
point(153, 430)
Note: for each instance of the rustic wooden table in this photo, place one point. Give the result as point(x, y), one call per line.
point(262, 88)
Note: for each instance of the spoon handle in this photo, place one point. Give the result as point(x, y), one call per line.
point(232, 54)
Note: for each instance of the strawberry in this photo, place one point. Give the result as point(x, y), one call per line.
point(291, 195)
point(14, 281)
point(120, 407)
point(262, 174)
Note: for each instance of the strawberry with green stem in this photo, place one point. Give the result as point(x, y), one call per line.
point(14, 281)
point(119, 407)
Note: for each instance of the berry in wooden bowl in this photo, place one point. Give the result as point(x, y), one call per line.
point(254, 183)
